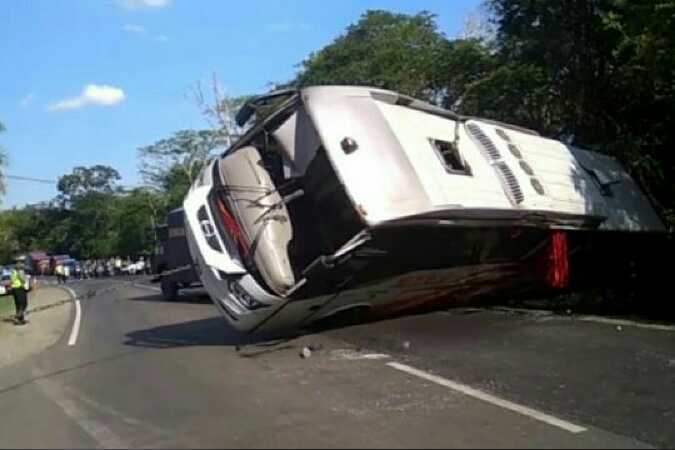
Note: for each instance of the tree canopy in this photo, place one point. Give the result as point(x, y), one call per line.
point(85, 180)
point(597, 73)
point(387, 50)
point(184, 151)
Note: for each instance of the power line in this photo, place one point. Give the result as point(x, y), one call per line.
point(42, 180)
point(34, 180)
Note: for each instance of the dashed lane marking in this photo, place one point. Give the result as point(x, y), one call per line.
point(480, 395)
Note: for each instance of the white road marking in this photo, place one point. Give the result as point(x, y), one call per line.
point(103, 435)
point(480, 395)
point(147, 427)
point(544, 314)
point(625, 323)
point(74, 334)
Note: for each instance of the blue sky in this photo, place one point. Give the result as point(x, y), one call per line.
point(86, 82)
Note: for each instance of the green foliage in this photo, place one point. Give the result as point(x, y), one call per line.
point(185, 151)
point(136, 215)
point(465, 62)
point(385, 50)
point(170, 165)
point(603, 71)
point(516, 94)
point(174, 186)
point(90, 218)
point(401, 52)
point(85, 180)
point(7, 237)
point(32, 227)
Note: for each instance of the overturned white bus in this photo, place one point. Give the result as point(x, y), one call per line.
point(352, 197)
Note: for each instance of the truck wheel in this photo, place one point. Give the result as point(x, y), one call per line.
point(169, 290)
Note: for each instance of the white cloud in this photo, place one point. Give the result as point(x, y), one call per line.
point(141, 31)
point(27, 100)
point(134, 29)
point(138, 4)
point(288, 27)
point(92, 95)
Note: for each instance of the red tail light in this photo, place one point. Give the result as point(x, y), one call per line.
point(559, 273)
point(234, 229)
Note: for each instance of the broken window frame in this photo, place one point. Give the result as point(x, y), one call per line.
point(456, 153)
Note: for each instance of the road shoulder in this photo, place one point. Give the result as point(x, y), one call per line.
point(49, 316)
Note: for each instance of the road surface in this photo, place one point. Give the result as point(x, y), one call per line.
point(145, 373)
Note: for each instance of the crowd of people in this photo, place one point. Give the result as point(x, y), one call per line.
point(98, 268)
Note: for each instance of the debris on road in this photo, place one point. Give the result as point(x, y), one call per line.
point(356, 355)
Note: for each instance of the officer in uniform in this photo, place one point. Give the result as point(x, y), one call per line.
point(19, 281)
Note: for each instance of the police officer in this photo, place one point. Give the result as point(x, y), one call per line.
point(19, 282)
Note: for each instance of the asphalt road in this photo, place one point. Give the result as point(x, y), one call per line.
point(145, 373)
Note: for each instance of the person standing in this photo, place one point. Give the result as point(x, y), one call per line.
point(58, 270)
point(19, 282)
point(118, 266)
point(66, 273)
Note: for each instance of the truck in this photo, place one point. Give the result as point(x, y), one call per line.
point(171, 260)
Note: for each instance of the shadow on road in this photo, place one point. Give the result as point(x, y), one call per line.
point(204, 332)
point(198, 299)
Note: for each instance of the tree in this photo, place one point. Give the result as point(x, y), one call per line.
point(466, 62)
point(174, 187)
point(513, 93)
point(404, 53)
point(568, 50)
point(135, 219)
point(87, 197)
point(30, 228)
point(219, 110)
point(597, 73)
point(185, 151)
point(91, 218)
point(8, 247)
point(84, 180)
point(385, 50)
